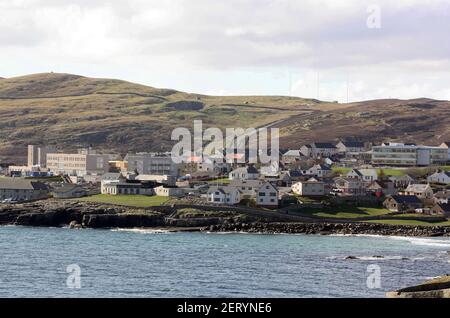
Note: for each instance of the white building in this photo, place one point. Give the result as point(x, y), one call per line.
point(151, 164)
point(399, 154)
point(248, 188)
point(446, 145)
point(319, 171)
point(244, 173)
point(440, 177)
point(422, 191)
point(353, 147)
point(267, 196)
point(224, 195)
point(80, 164)
point(365, 175)
point(312, 187)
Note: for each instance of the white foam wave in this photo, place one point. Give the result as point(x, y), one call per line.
point(143, 231)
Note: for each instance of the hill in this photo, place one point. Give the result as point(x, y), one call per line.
point(72, 111)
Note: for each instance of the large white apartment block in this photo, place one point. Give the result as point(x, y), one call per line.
point(399, 154)
point(79, 164)
point(152, 164)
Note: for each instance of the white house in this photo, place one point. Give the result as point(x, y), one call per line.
point(267, 196)
point(312, 187)
point(365, 175)
point(244, 173)
point(440, 177)
point(319, 171)
point(323, 149)
point(224, 195)
point(350, 147)
point(168, 191)
point(247, 188)
point(291, 156)
point(422, 191)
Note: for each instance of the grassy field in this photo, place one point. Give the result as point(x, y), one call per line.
point(410, 222)
point(349, 212)
point(140, 201)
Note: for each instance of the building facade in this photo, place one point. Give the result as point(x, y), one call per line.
point(399, 154)
point(79, 164)
point(151, 164)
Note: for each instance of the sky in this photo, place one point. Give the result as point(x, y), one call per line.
point(349, 50)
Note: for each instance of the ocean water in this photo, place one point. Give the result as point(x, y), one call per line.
point(144, 263)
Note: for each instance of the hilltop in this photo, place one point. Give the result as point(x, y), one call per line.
point(70, 111)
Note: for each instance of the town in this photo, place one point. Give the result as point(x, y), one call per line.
point(348, 179)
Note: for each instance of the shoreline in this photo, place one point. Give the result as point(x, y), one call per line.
point(77, 215)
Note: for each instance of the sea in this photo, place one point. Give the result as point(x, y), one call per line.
point(62, 262)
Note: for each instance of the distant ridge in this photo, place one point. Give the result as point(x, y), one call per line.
point(69, 111)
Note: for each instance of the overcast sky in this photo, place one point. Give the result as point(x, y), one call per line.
point(306, 48)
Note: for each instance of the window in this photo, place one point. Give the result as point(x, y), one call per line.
point(262, 194)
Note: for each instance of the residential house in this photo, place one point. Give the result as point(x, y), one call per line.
point(402, 203)
point(248, 188)
point(441, 209)
point(159, 178)
point(401, 182)
point(353, 147)
point(422, 191)
point(168, 191)
point(312, 187)
point(223, 195)
point(380, 188)
point(15, 189)
point(129, 187)
point(349, 187)
point(306, 151)
point(69, 190)
point(267, 196)
point(244, 173)
point(318, 171)
point(442, 177)
point(442, 196)
point(322, 149)
point(365, 175)
point(292, 156)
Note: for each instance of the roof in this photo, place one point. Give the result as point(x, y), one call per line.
point(248, 169)
point(223, 189)
point(417, 187)
point(323, 145)
point(268, 183)
point(406, 199)
point(353, 144)
point(295, 153)
point(442, 195)
point(110, 176)
point(245, 183)
point(405, 177)
point(445, 207)
point(21, 184)
point(67, 187)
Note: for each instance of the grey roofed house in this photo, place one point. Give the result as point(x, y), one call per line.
point(223, 189)
point(293, 153)
point(323, 145)
point(406, 199)
point(245, 183)
point(111, 176)
point(21, 184)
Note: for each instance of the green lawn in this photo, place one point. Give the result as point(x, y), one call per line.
point(349, 212)
point(410, 222)
point(140, 201)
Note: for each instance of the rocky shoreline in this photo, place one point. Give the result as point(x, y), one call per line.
point(62, 213)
